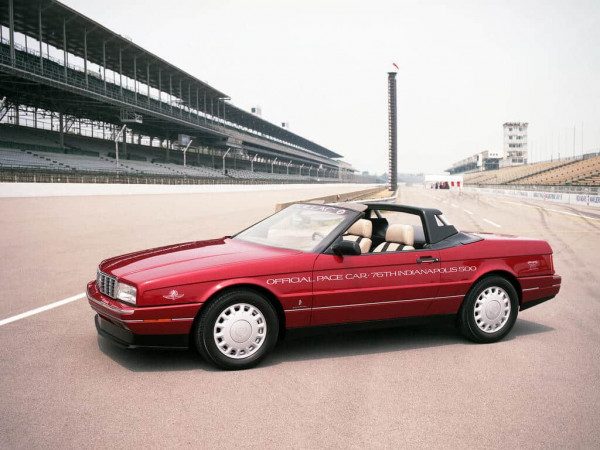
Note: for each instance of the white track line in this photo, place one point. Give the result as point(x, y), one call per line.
point(492, 223)
point(41, 309)
point(467, 211)
point(454, 204)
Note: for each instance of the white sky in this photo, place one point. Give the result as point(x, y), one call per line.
point(466, 67)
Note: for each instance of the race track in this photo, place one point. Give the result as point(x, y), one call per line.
point(62, 386)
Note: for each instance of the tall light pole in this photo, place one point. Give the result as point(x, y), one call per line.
point(272, 164)
point(224, 156)
point(117, 143)
point(252, 162)
point(186, 149)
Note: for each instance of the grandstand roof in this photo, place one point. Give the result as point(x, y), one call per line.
point(59, 20)
point(54, 13)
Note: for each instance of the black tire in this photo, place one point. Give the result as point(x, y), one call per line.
point(204, 337)
point(468, 322)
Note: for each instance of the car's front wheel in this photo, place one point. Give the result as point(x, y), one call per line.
point(489, 310)
point(237, 329)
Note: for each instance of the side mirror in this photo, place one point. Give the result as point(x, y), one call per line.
point(344, 247)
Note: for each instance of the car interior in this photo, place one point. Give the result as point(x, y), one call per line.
point(375, 233)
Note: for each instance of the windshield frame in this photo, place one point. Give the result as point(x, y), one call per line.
point(325, 242)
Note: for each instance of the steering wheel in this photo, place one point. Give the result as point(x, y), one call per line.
point(317, 236)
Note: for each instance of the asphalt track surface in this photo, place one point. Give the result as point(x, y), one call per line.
point(62, 386)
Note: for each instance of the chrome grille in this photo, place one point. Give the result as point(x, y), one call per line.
point(106, 284)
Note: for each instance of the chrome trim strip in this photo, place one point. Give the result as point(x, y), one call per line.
point(556, 285)
point(177, 319)
point(530, 289)
point(378, 303)
point(110, 307)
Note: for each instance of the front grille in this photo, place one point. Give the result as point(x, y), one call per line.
point(106, 284)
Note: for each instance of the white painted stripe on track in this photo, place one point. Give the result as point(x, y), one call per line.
point(454, 204)
point(492, 223)
point(467, 211)
point(42, 309)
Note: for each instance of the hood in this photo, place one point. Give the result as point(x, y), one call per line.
point(187, 257)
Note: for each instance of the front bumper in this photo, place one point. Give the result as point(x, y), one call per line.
point(133, 326)
point(126, 339)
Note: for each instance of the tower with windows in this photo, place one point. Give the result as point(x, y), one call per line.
point(515, 144)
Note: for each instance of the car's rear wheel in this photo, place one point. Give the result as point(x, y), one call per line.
point(489, 310)
point(237, 329)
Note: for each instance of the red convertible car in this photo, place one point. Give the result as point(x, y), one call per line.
point(313, 265)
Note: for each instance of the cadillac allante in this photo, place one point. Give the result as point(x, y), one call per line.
point(313, 265)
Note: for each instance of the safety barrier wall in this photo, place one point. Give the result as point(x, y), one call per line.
point(570, 198)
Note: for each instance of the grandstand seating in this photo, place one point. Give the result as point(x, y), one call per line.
point(514, 174)
point(39, 152)
point(581, 172)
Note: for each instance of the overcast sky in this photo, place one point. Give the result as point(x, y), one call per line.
point(466, 67)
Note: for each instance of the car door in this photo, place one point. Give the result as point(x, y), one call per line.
point(373, 286)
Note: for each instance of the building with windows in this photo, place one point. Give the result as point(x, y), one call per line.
point(515, 144)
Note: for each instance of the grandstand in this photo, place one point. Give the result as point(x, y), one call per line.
point(79, 99)
point(580, 171)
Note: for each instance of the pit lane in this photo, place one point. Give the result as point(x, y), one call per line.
point(417, 386)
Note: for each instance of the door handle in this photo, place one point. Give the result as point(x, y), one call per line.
point(427, 259)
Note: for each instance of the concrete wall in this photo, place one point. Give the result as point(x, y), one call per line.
point(70, 189)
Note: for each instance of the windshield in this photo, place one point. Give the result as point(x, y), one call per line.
point(298, 227)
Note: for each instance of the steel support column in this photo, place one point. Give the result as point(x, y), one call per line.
point(159, 89)
point(104, 64)
point(61, 124)
point(148, 81)
point(40, 36)
point(180, 100)
point(135, 78)
point(190, 102)
point(85, 57)
point(65, 59)
point(197, 110)
point(171, 92)
point(205, 110)
point(11, 30)
point(121, 71)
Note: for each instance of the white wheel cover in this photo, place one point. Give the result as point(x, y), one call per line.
point(240, 330)
point(492, 309)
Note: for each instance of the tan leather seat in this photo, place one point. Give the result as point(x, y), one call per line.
point(360, 232)
point(397, 238)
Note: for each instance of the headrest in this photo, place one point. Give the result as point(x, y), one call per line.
point(361, 227)
point(400, 234)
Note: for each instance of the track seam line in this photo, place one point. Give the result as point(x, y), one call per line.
point(492, 223)
point(567, 213)
point(41, 309)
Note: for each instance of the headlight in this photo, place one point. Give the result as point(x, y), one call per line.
point(126, 293)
